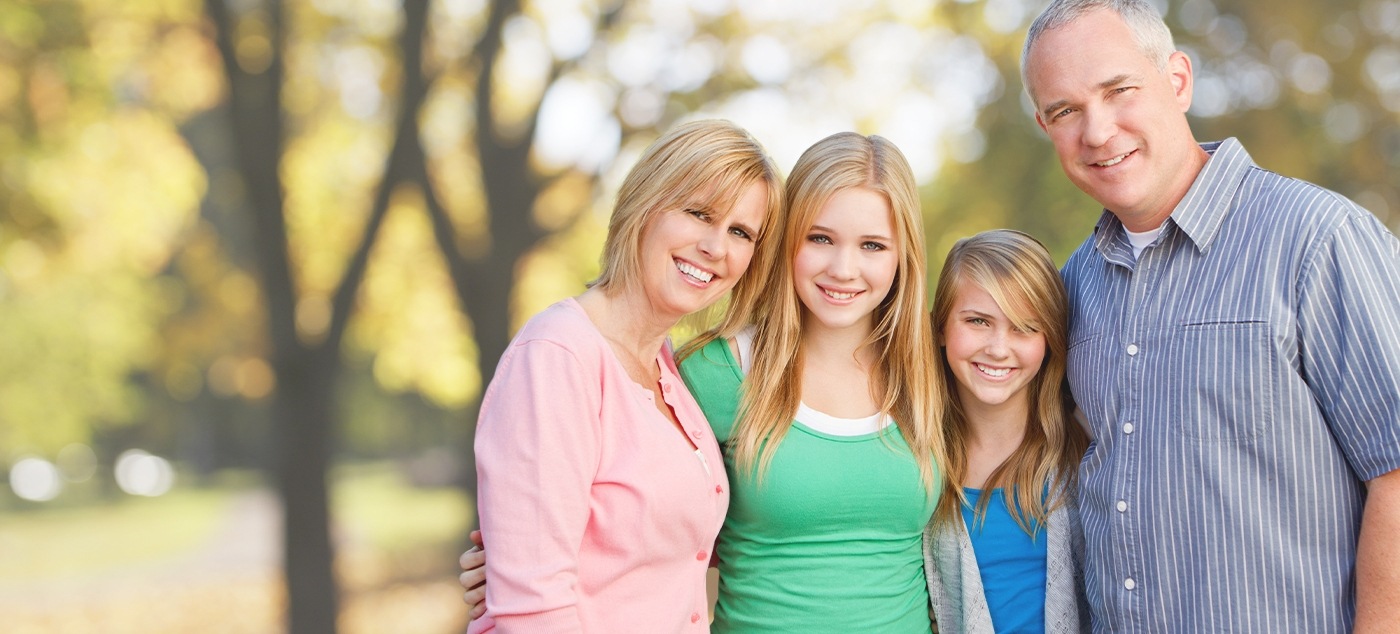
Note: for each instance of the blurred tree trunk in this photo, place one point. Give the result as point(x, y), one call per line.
point(303, 407)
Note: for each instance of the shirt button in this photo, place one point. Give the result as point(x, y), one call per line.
point(666, 387)
point(698, 434)
point(1127, 428)
point(694, 617)
point(719, 489)
point(702, 556)
point(1132, 349)
point(1122, 506)
point(1129, 583)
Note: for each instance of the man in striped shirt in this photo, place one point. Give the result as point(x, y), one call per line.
point(1235, 347)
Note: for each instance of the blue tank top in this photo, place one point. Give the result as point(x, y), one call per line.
point(1011, 563)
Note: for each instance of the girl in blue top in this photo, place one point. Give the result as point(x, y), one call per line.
point(1004, 550)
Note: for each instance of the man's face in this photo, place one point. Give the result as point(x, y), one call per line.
point(1117, 121)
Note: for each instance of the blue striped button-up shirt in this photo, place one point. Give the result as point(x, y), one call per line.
point(1241, 378)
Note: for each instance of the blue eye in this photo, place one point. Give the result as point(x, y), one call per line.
point(819, 238)
point(740, 232)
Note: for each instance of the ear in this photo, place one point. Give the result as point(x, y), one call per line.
point(1041, 122)
point(1182, 79)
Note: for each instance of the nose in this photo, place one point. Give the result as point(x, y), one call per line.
point(714, 244)
point(1099, 127)
point(842, 265)
point(996, 344)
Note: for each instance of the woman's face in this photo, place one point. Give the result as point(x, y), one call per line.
point(993, 361)
point(847, 261)
point(691, 256)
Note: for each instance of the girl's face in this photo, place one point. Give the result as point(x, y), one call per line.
point(847, 261)
point(993, 361)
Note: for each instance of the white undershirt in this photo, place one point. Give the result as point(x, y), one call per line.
point(819, 421)
point(1140, 241)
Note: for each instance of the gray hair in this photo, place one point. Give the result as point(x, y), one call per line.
point(1146, 24)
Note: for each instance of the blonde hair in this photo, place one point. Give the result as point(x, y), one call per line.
point(707, 163)
point(1017, 271)
point(901, 337)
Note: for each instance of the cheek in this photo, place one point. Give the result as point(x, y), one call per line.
point(888, 271)
point(957, 343)
point(740, 256)
point(1033, 353)
point(806, 263)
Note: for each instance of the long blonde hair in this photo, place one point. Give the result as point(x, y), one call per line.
point(901, 337)
point(1016, 270)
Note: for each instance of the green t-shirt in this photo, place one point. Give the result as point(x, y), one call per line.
point(831, 541)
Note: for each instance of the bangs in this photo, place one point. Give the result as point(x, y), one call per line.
point(1020, 307)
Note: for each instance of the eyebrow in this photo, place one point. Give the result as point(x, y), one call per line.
point(868, 236)
point(1103, 85)
point(973, 312)
point(747, 229)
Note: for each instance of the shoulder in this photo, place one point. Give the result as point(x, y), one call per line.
point(562, 327)
point(715, 356)
point(1296, 203)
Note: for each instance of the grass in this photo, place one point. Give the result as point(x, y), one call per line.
point(130, 565)
point(382, 509)
point(63, 542)
point(372, 504)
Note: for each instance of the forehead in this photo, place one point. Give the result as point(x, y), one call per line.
point(1002, 300)
point(1081, 54)
point(856, 208)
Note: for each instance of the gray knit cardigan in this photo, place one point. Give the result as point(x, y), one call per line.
point(955, 585)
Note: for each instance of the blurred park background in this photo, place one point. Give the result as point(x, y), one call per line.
point(257, 258)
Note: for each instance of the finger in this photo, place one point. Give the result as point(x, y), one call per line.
point(476, 539)
point(474, 558)
point(478, 610)
point(475, 598)
point(472, 579)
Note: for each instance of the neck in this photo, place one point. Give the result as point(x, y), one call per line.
point(1002, 425)
point(627, 320)
point(837, 345)
point(1146, 221)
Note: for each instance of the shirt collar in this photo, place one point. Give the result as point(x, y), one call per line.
point(1202, 210)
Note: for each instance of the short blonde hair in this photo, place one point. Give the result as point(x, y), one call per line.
point(708, 163)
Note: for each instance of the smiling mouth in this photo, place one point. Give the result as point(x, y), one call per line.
point(694, 272)
point(839, 295)
point(1113, 161)
point(995, 373)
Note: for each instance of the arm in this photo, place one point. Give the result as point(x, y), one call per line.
point(1378, 557)
point(537, 448)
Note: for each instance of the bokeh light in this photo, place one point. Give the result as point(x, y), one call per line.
point(140, 473)
point(35, 479)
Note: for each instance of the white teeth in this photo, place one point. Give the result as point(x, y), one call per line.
point(694, 272)
point(836, 295)
point(994, 372)
point(1113, 161)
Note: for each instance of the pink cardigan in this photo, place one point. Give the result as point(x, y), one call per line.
point(599, 515)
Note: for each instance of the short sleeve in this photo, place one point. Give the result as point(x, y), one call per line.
point(1349, 322)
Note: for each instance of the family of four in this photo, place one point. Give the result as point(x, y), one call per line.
point(1194, 426)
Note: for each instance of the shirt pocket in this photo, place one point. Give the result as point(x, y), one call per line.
point(1216, 381)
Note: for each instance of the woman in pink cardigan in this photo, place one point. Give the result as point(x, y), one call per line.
point(600, 487)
